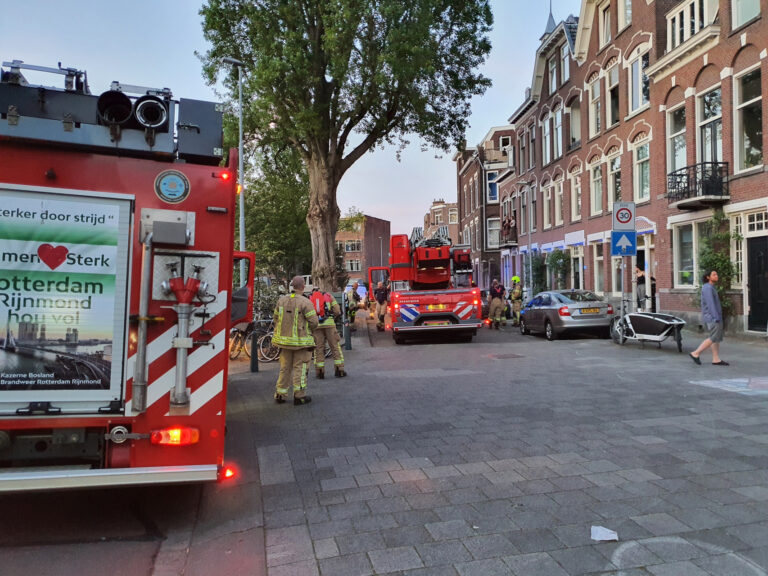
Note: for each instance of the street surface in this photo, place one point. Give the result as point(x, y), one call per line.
point(451, 459)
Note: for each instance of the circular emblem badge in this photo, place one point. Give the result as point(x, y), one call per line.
point(172, 186)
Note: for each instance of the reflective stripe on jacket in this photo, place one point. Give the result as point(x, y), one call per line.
point(295, 319)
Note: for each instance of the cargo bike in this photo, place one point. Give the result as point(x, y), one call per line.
point(647, 327)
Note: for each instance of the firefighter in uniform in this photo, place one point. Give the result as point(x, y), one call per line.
point(328, 311)
point(380, 295)
point(295, 319)
point(516, 296)
point(496, 309)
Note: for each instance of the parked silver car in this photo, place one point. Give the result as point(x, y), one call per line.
point(558, 311)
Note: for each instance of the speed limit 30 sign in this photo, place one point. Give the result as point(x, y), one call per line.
point(624, 216)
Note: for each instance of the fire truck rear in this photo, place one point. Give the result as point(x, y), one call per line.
point(431, 292)
point(116, 267)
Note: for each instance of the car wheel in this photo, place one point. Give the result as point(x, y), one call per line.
point(399, 340)
point(549, 331)
point(523, 328)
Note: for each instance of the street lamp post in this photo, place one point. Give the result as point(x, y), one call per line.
point(240, 179)
point(381, 252)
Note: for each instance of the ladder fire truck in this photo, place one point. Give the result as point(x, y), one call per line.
point(431, 288)
point(116, 269)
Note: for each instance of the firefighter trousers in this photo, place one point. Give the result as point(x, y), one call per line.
point(331, 335)
point(495, 313)
point(294, 366)
point(381, 312)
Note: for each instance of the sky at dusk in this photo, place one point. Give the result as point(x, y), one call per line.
point(153, 43)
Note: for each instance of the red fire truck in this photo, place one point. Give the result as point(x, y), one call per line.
point(431, 288)
point(116, 269)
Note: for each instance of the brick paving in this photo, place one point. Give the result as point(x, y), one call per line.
point(464, 459)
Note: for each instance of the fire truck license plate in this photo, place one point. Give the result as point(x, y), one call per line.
point(590, 310)
point(431, 307)
point(437, 323)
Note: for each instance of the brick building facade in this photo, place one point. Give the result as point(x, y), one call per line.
point(659, 103)
point(363, 244)
point(442, 214)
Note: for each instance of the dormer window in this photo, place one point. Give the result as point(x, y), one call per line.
point(605, 24)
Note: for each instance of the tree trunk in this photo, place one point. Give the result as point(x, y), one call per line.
point(323, 221)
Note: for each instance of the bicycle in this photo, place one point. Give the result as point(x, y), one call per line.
point(240, 340)
point(268, 352)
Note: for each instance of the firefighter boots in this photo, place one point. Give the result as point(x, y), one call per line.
point(279, 399)
point(340, 372)
point(302, 400)
point(320, 373)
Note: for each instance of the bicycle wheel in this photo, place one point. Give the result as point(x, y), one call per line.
point(235, 345)
point(328, 351)
point(617, 331)
point(269, 352)
point(248, 343)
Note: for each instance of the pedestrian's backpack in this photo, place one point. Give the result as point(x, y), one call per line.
point(319, 302)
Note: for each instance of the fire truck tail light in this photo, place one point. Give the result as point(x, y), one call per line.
point(229, 472)
point(225, 176)
point(180, 436)
point(475, 302)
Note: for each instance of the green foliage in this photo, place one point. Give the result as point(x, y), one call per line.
point(352, 221)
point(539, 271)
point(560, 264)
point(276, 207)
point(715, 254)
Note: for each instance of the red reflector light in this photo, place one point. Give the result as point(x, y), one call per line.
point(180, 436)
point(225, 176)
point(229, 472)
point(563, 311)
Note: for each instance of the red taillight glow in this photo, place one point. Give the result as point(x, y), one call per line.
point(563, 311)
point(475, 302)
point(610, 309)
point(229, 472)
point(179, 436)
point(225, 176)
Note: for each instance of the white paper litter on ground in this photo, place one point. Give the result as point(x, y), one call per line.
point(602, 534)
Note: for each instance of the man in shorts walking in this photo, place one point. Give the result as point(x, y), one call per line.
point(712, 316)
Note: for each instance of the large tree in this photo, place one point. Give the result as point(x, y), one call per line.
point(334, 78)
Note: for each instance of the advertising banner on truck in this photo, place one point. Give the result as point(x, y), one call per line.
point(62, 291)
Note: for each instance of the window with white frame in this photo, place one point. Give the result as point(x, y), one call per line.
point(523, 212)
point(437, 217)
point(545, 141)
point(575, 127)
point(598, 267)
point(559, 203)
point(534, 214)
point(494, 228)
point(465, 200)
point(493, 187)
point(616, 264)
point(596, 205)
point(552, 69)
point(710, 110)
point(545, 207)
point(511, 157)
point(625, 13)
point(478, 232)
point(565, 60)
point(594, 106)
point(465, 237)
point(612, 106)
point(757, 222)
point(532, 146)
point(676, 143)
point(642, 172)
point(749, 120)
point(737, 250)
point(689, 239)
point(521, 145)
point(353, 265)
point(557, 138)
point(744, 10)
point(614, 181)
point(353, 246)
point(453, 216)
point(605, 24)
point(575, 197)
point(505, 142)
point(639, 86)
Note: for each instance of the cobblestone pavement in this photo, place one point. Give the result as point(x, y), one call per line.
point(497, 457)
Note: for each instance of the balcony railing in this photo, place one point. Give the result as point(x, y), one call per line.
point(698, 185)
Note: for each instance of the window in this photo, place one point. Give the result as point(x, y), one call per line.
point(605, 24)
point(494, 227)
point(547, 202)
point(523, 212)
point(339, 246)
point(597, 190)
point(597, 254)
point(688, 240)
point(472, 236)
point(638, 83)
point(737, 249)
point(464, 200)
point(545, 141)
point(575, 128)
point(757, 222)
point(616, 264)
point(711, 126)
point(478, 242)
point(613, 95)
point(642, 172)
point(505, 142)
point(511, 157)
point(437, 217)
point(749, 120)
point(353, 246)
point(453, 216)
point(575, 198)
point(614, 181)
point(552, 69)
point(559, 203)
point(594, 107)
point(625, 13)
point(687, 21)
point(565, 58)
point(493, 187)
point(534, 215)
point(477, 192)
point(523, 157)
point(557, 140)
point(532, 147)
point(744, 11)
point(352, 265)
point(676, 147)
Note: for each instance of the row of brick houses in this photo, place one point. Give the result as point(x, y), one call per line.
point(658, 102)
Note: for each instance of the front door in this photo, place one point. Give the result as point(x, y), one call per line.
point(757, 287)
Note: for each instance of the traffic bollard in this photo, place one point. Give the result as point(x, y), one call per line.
point(254, 353)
